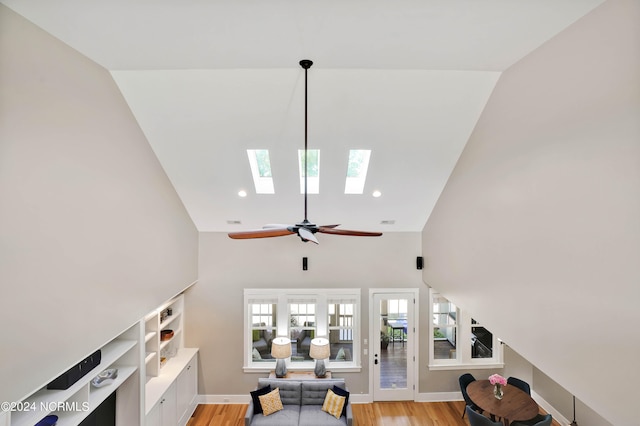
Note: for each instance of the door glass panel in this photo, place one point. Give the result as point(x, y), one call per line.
point(393, 343)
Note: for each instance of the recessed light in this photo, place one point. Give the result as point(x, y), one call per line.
point(387, 222)
point(376, 193)
point(242, 193)
point(234, 222)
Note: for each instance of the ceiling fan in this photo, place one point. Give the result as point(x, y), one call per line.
point(305, 229)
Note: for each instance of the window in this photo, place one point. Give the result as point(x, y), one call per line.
point(302, 314)
point(302, 328)
point(444, 328)
point(357, 171)
point(313, 167)
point(450, 328)
point(341, 314)
point(262, 327)
point(261, 170)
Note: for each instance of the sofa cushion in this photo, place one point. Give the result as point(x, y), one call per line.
point(339, 391)
point(312, 415)
point(271, 402)
point(288, 416)
point(290, 391)
point(333, 404)
point(314, 391)
point(257, 408)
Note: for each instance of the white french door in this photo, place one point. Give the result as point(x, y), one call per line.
point(392, 363)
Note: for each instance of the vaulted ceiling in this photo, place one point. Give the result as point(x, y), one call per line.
point(208, 80)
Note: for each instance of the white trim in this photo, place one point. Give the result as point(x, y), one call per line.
point(224, 399)
point(465, 366)
point(439, 396)
point(557, 416)
point(374, 340)
point(360, 398)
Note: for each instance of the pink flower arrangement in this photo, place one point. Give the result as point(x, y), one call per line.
point(497, 379)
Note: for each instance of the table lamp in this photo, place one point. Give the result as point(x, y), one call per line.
point(319, 351)
point(280, 350)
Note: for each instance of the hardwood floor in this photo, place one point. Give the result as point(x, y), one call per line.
point(403, 413)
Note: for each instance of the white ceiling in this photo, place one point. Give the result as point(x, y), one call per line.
point(207, 80)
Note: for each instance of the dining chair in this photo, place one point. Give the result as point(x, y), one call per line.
point(477, 419)
point(464, 381)
point(520, 384)
point(539, 420)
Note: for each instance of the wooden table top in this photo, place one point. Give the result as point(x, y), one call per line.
point(514, 405)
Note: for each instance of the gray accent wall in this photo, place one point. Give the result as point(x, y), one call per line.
point(92, 234)
point(537, 232)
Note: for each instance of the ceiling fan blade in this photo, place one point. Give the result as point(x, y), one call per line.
point(275, 226)
point(260, 233)
point(307, 235)
point(329, 226)
point(327, 230)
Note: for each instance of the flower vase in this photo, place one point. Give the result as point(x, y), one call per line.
point(497, 391)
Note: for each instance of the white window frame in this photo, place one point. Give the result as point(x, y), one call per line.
point(463, 357)
point(322, 298)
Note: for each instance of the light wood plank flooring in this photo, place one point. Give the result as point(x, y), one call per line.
point(403, 413)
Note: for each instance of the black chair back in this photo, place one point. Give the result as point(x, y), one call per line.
point(520, 384)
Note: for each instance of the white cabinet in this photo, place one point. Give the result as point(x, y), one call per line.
point(175, 387)
point(187, 385)
point(168, 364)
point(164, 412)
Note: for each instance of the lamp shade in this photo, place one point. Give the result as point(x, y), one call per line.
point(281, 347)
point(319, 348)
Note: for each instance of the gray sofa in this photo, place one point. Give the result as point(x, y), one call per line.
point(302, 401)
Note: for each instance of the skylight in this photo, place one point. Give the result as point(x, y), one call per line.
point(313, 166)
point(357, 171)
point(261, 170)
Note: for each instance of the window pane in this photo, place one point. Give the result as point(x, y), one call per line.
point(444, 328)
point(263, 330)
point(482, 343)
point(341, 331)
point(302, 322)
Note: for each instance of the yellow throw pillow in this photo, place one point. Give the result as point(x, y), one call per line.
point(333, 404)
point(271, 402)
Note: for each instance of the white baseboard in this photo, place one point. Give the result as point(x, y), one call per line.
point(549, 409)
point(439, 397)
point(360, 398)
point(224, 399)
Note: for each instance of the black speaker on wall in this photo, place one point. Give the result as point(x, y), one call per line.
point(419, 262)
point(304, 264)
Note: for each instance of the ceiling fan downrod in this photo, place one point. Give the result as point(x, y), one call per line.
point(306, 64)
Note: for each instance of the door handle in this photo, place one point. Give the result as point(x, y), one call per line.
point(375, 361)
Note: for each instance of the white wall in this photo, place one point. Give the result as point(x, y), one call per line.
point(537, 231)
point(215, 305)
point(92, 234)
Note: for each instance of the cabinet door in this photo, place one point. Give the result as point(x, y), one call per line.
point(187, 383)
point(154, 417)
point(168, 404)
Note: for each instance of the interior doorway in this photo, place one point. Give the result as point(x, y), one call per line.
point(393, 343)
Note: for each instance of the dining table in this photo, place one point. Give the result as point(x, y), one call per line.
point(515, 405)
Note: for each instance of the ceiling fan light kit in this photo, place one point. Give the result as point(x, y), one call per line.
point(305, 229)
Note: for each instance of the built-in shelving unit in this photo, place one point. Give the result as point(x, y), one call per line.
point(72, 405)
point(157, 378)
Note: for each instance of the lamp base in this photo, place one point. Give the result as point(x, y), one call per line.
point(281, 368)
point(320, 370)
